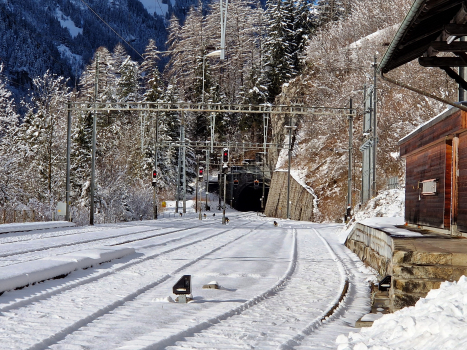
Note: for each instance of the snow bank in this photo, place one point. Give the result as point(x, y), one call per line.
point(387, 204)
point(435, 322)
point(24, 274)
point(31, 226)
point(389, 224)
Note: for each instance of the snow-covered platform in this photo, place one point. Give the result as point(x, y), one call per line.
point(32, 226)
point(417, 260)
point(27, 273)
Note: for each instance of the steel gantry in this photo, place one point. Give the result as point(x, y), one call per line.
point(205, 107)
point(266, 109)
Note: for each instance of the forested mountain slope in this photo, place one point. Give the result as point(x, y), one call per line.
point(62, 35)
point(337, 65)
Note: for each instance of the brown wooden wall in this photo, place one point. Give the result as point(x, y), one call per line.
point(462, 185)
point(457, 121)
point(427, 164)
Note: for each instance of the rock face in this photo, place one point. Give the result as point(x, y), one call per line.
point(301, 207)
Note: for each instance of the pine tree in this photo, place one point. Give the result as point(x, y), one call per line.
point(42, 138)
point(277, 53)
point(10, 177)
point(128, 83)
point(152, 82)
point(331, 10)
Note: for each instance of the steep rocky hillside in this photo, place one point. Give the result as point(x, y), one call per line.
point(338, 64)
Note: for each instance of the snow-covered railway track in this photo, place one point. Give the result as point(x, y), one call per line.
point(33, 249)
point(269, 319)
point(82, 300)
point(356, 303)
point(278, 317)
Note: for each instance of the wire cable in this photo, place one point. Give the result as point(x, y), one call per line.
point(108, 25)
point(160, 8)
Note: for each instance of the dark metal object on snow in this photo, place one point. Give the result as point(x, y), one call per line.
point(385, 284)
point(183, 286)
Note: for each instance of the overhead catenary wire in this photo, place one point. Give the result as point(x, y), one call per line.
point(158, 5)
point(113, 30)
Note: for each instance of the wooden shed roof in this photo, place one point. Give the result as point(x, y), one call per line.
point(428, 29)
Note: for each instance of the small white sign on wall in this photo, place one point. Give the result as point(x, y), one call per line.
point(429, 187)
point(61, 208)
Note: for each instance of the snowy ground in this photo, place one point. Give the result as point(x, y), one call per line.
point(281, 286)
point(291, 286)
point(435, 322)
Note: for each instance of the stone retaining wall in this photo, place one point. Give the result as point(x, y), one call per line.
point(374, 247)
point(301, 207)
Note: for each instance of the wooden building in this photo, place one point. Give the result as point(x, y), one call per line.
point(436, 173)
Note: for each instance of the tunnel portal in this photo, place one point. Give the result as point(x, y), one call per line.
point(249, 198)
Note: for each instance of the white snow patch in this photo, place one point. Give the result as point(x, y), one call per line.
point(26, 273)
point(371, 317)
point(374, 36)
point(435, 322)
point(74, 59)
point(164, 300)
point(67, 23)
point(387, 208)
point(389, 225)
point(155, 7)
point(32, 226)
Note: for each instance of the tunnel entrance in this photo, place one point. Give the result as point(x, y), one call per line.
point(249, 199)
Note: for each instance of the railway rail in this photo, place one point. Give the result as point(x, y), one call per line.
point(281, 288)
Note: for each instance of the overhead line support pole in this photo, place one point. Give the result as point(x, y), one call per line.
point(225, 192)
point(156, 151)
point(349, 184)
point(179, 166)
point(207, 177)
point(68, 154)
point(94, 131)
point(375, 135)
point(290, 127)
point(184, 167)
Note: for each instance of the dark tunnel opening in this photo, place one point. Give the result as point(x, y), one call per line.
point(250, 198)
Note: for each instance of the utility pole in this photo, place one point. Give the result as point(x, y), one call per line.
point(156, 151)
point(265, 139)
point(197, 180)
point(184, 168)
point(225, 190)
point(231, 185)
point(223, 10)
point(349, 184)
point(94, 131)
point(141, 117)
point(68, 154)
point(461, 74)
point(290, 128)
point(177, 198)
point(375, 135)
point(207, 176)
point(219, 178)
